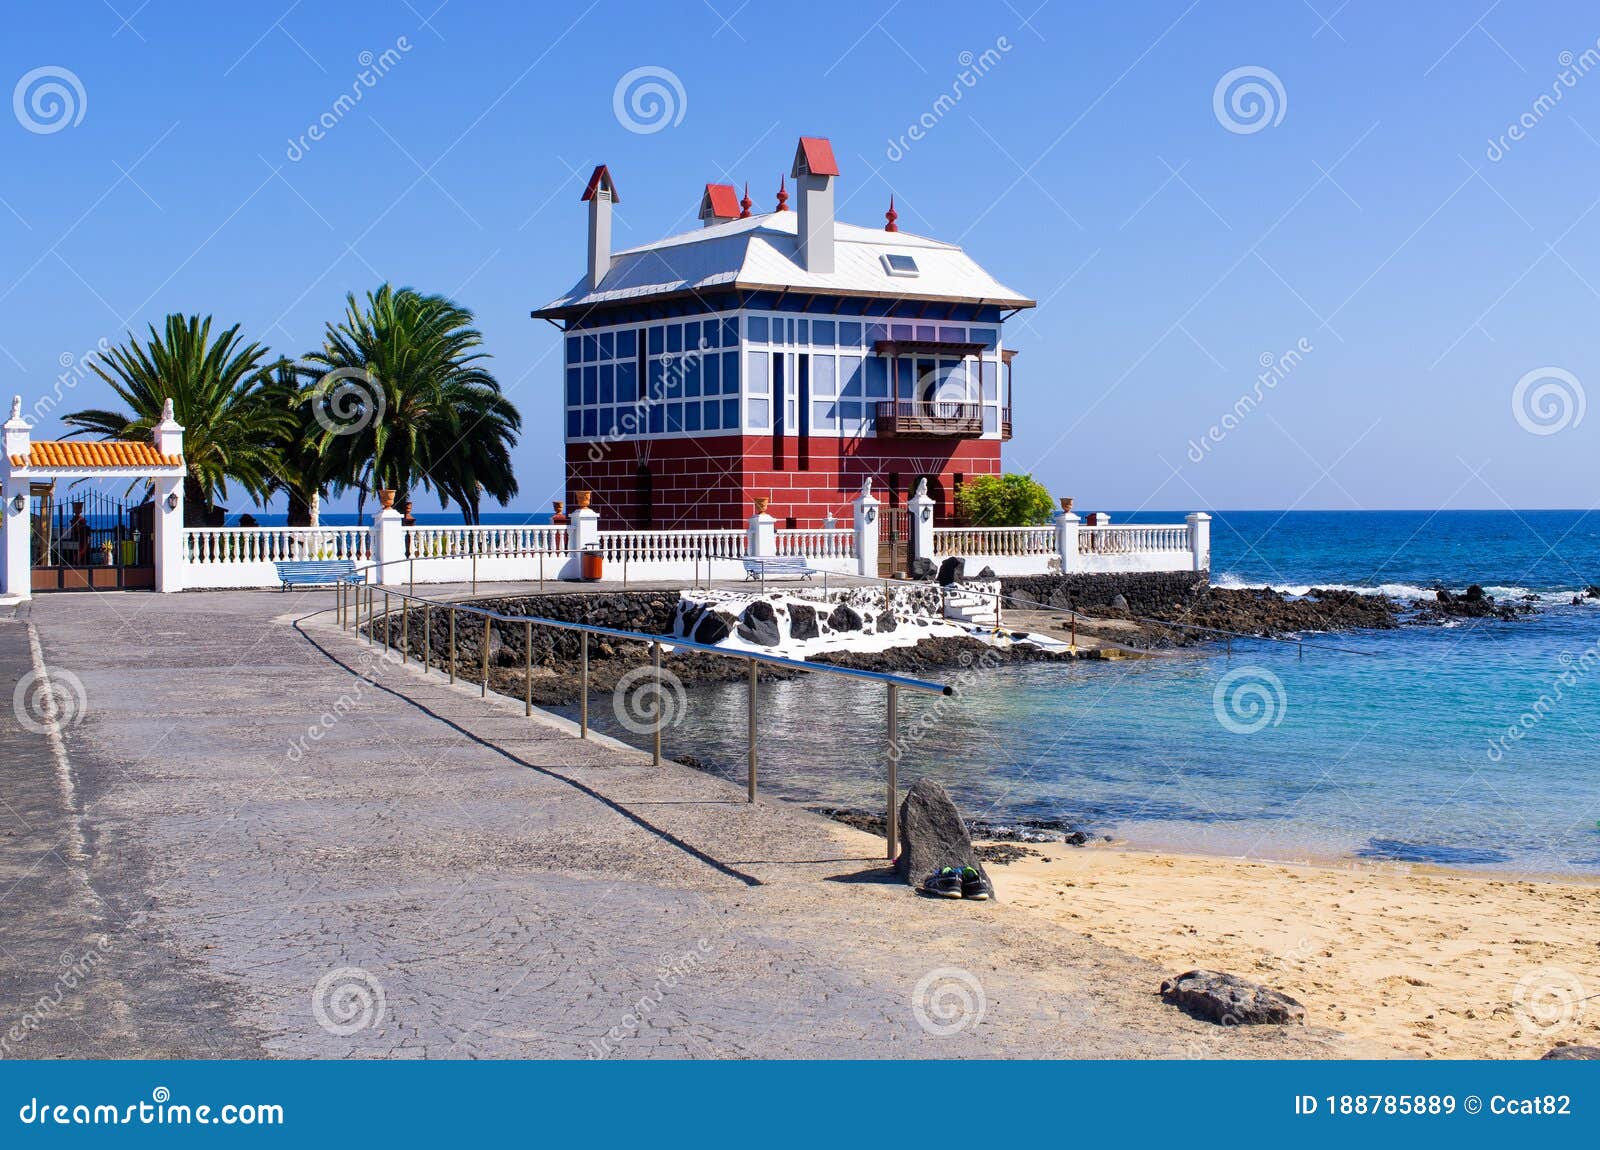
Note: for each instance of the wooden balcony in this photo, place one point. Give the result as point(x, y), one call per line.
point(916, 419)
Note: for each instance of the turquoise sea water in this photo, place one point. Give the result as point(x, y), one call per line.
point(1391, 755)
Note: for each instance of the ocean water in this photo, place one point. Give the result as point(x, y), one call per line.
point(1400, 753)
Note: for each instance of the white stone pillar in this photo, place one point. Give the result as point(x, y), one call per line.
point(389, 547)
point(919, 524)
point(167, 495)
point(16, 567)
point(763, 541)
point(1067, 542)
point(867, 524)
point(1200, 539)
point(583, 531)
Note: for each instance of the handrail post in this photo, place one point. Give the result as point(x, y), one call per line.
point(541, 572)
point(385, 620)
point(405, 632)
point(893, 822)
point(427, 636)
point(474, 570)
point(487, 622)
point(452, 644)
point(527, 669)
point(411, 563)
point(583, 690)
point(750, 719)
point(655, 660)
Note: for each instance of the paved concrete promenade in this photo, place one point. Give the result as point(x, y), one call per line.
point(234, 802)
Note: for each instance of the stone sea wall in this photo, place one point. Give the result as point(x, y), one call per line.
point(1144, 592)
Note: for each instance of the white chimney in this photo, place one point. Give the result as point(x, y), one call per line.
point(814, 171)
point(600, 195)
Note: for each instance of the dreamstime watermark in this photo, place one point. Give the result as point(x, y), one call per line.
point(348, 1000)
point(677, 368)
point(928, 718)
point(648, 99)
point(643, 700)
point(49, 99)
point(45, 700)
point(948, 1000)
point(670, 971)
point(348, 400)
point(1249, 699)
point(1548, 400)
point(1249, 99)
point(1573, 69)
point(1575, 670)
point(345, 703)
point(973, 67)
point(1549, 998)
point(373, 69)
point(160, 1110)
point(75, 970)
point(74, 370)
point(1274, 370)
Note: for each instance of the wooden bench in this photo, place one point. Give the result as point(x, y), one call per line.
point(777, 565)
point(320, 573)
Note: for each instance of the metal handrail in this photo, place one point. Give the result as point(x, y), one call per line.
point(349, 591)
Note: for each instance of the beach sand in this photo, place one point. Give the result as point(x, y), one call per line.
point(1427, 962)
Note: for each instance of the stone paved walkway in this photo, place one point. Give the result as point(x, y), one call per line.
point(258, 805)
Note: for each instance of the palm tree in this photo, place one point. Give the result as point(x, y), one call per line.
point(304, 472)
point(419, 411)
point(218, 395)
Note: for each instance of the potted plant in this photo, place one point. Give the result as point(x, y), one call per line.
point(761, 504)
point(386, 497)
point(584, 499)
point(107, 550)
point(1066, 503)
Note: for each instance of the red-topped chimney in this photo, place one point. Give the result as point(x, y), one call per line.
point(719, 204)
point(814, 172)
point(600, 194)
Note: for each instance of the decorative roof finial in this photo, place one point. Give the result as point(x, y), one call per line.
point(783, 196)
point(747, 203)
point(16, 407)
point(166, 411)
point(891, 215)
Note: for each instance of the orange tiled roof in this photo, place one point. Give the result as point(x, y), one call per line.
point(115, 453)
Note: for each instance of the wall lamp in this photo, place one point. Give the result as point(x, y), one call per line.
point(872, 515)
point(172, 501)
point(19, 502)
point(927, 514)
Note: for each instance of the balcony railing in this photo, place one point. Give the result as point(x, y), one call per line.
point(915, 419)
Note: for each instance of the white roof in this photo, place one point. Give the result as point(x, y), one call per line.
point(760, 253)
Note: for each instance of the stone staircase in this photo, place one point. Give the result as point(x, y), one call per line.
point(967, 607)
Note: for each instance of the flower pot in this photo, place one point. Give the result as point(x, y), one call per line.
point(386, 498)
point(584, 498)
point(1066, 503)
point(761, 504)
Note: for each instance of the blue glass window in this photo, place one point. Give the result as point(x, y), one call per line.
point(953, 334)
point(607, 339)
point(672, 369)
point(824, 379)
point(627, 380)
point(657, 373)
point(591, 384)
point(691, 417)
point(877, 377)
point(590, 346)
point(824, 416)
point(589, 423)
point(574, 386)
point(658, 419)
point(730, 414)
point(849, 335)
point(900, 330)
point(759, 374)
point(985, 335)
point(730, 373)
point(574, 424)
point(876, 331)
point(630, 419)
point(655, 340)
point(991, 420)
point(926, 331)
point(711, 369)
point(691, 375)
point(850, 370)
point(608, 383)
point(574, 349)
point(674, 337)
point(850, 416)
point(608, 420)
point(906, 372)
point(674, 417)
point(627, 344)
point(713, 409)
point(760, 415)
point(709, 331)
point(989, 374)
point(730, 333)
point(756, 329)
point(804, 335)
point(822, 332)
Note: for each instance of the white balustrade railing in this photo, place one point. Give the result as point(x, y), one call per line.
point(219, 546)
point(1133, 538)
point(483, 542)
point(1001, 541)
point(664, 546)
point(818, 542)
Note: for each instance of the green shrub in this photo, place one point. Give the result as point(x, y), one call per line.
point(1009, 500)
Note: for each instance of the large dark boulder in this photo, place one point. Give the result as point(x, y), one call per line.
point(1570, 1053)
point(714, 627)
point(1230, 1000)
point(886, 623)
point(845, 618)
point(760, 624)
point(802, 622)
point(922, 568)
point(952, 570)
point(932, 833)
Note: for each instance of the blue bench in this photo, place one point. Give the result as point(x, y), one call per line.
point(777, 565)
point(321, 573)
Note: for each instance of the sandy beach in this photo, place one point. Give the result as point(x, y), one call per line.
point(1427, 962)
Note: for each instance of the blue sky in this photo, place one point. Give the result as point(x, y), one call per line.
point(1368, 221)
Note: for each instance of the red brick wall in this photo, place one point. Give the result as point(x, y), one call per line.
point(711, 481)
